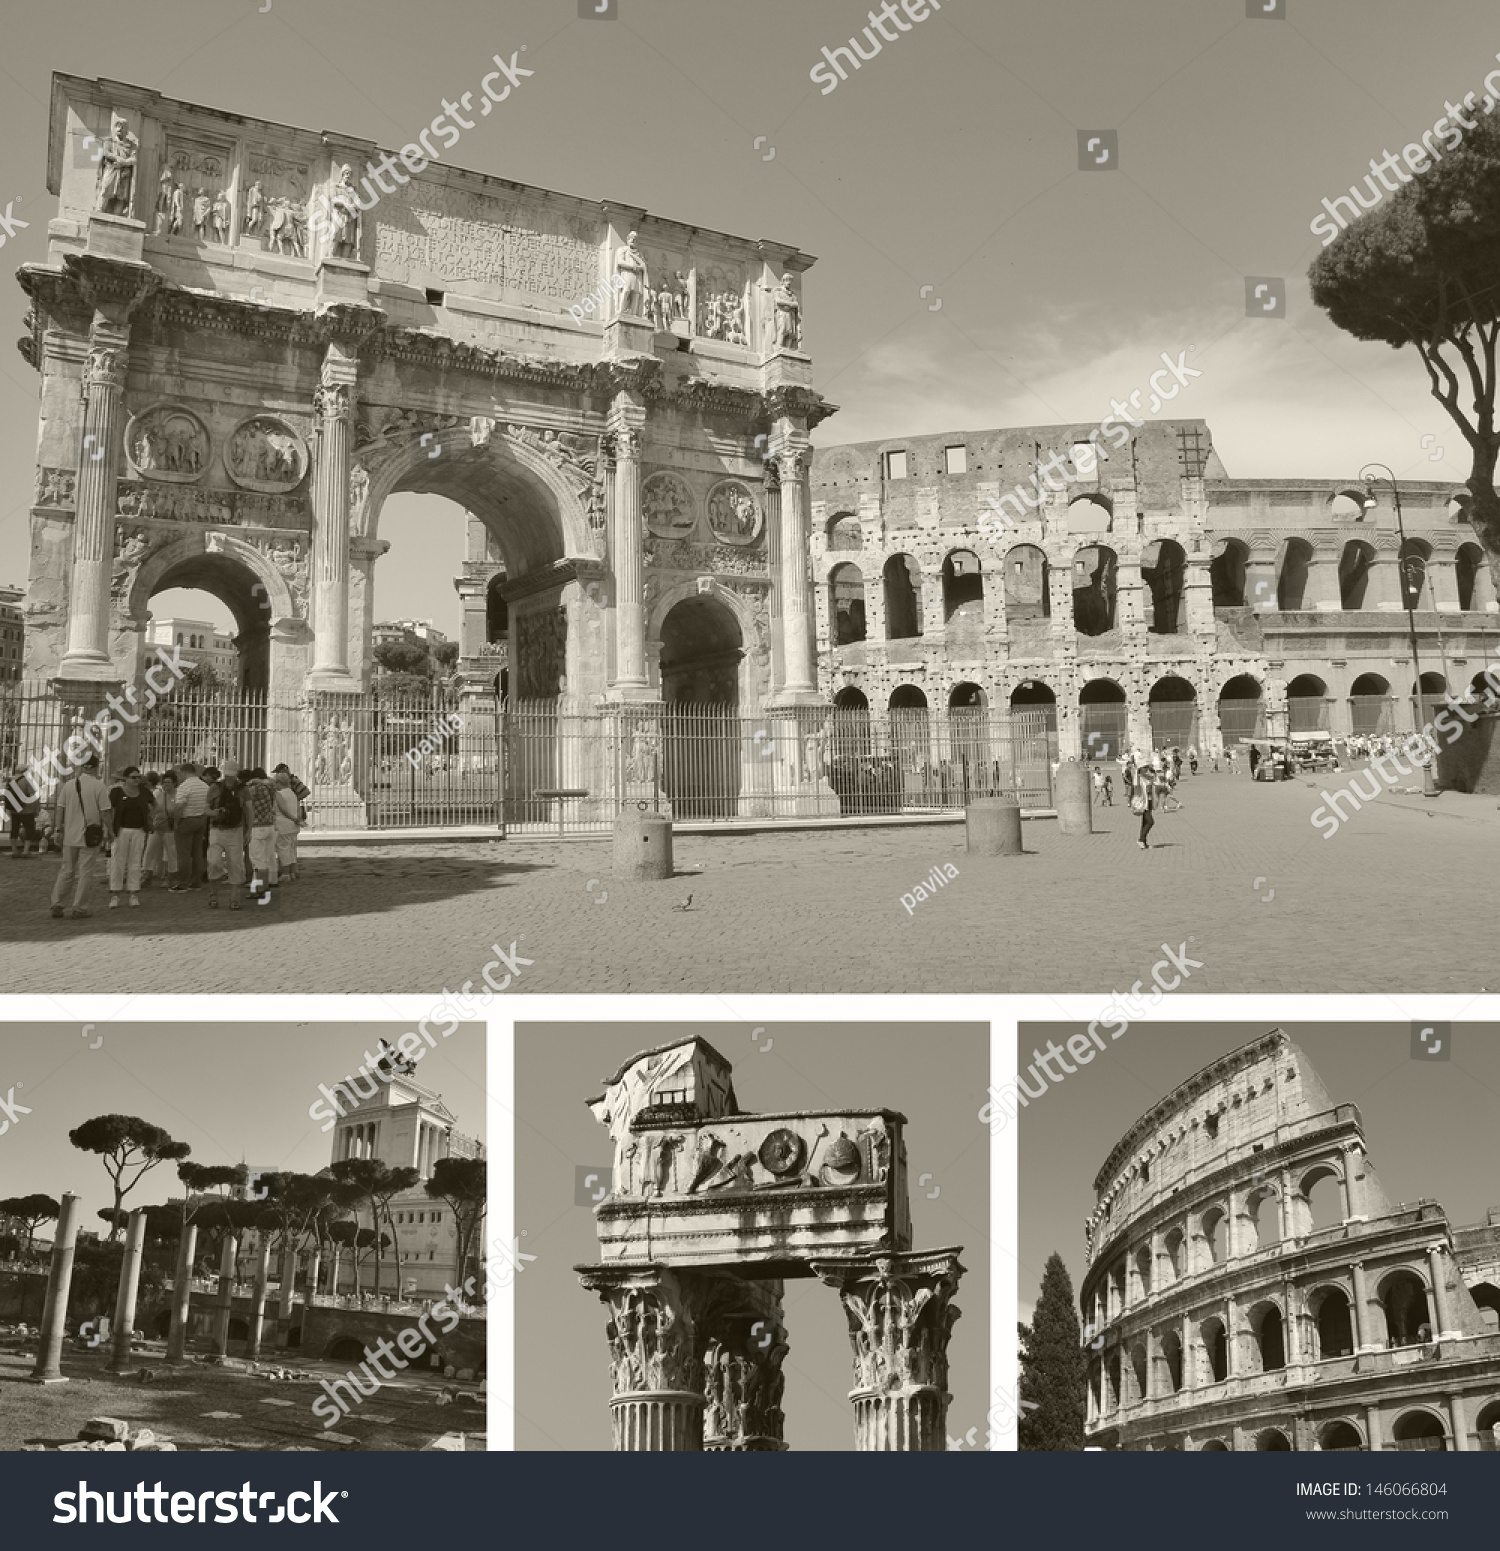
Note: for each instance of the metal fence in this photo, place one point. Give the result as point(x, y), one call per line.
point(450, 759)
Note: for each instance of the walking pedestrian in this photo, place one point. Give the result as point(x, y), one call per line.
point(259, 801)
point(226, 840)
point(1098, 786)
point(78, 822)
point(1109, 791)
point(1254, 760)
point(1193, 761)
point(288, 822)
point(191, 806)
point(24, 811)
point(1141, 803)
point(131, 807)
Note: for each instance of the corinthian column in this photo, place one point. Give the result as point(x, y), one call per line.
point(796, 594)
point(628, 552)
point(900, 1313)
point(87, 656)
point(657, 1402)
point(334, 405)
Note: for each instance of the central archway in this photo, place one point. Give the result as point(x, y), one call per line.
point(701, 651)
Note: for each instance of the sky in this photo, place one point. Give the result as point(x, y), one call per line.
point(236, 1092)
point(950, 161)
point(1429, 1125)
point(928, 1072)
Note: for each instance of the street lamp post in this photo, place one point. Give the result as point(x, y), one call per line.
point(1429, 770)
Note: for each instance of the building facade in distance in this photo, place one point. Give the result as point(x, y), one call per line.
point(1136, 593)
point(12, 633)
point(1251, 1286)
point(201, 642)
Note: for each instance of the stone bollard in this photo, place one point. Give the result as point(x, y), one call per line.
point(1072, 799)
point(992, 827)
point(59, 1281)
point(643, 847)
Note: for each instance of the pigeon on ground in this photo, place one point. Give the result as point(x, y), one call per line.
point(684, 904)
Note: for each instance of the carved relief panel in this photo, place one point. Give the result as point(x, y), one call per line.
point(197, 204)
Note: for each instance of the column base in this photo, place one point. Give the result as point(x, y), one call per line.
point(86, 669)
point(333, 681)
point(59, 1379)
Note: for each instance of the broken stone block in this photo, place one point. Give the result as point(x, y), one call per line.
point(113, 1448)
point(73, 1448)
point(448, 1443)
point(109, 1428)
point(163, 1447)
point(466, 1374)
point(142, 1437)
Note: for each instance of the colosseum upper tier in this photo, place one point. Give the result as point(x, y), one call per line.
point(1250, 1286)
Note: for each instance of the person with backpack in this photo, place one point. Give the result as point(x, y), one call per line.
point(226, 838)
point(79, 824)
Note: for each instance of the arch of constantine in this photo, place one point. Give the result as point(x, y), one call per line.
point(1219, 1315)
point(710, 1210)
point(227, 400)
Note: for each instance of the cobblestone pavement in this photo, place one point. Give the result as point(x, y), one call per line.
point(1395, 901)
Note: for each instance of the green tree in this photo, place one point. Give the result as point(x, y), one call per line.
point(463, 1184)
point(1423, 269)
point(126, 1142)
point(404, 657)
point(1054, 1367)
point(378, 1184)
point(445, 655)
point(32, 1210)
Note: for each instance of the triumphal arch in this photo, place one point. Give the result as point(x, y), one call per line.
point(249, 336)
point(710, 1210)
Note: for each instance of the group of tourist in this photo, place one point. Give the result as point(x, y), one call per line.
point(186, 827)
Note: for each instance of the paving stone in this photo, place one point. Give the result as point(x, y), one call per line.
point(821, 911)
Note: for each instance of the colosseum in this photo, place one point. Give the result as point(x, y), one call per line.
point(1137, 595)
point(1250, 1286)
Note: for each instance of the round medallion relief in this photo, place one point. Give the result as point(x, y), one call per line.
point(733, 513)
point(167, 442)
point(265, 454)
point(667, 506)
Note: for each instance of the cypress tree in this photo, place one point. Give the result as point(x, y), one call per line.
point(1054, 1367)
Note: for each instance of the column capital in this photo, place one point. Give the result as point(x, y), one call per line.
point(650, 1331)
point(900, 1313)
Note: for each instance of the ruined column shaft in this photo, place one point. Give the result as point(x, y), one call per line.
point(182, 1292)
point(226, 1294)
point(94, 517)
point(258, 1312)
point(59, 1281)
point(125, 1300)
point(1361, 1310)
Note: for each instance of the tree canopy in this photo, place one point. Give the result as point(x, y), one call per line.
point(126, 1142)
point(33, 1210)
point(463, 1184)
point(1422, 268)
